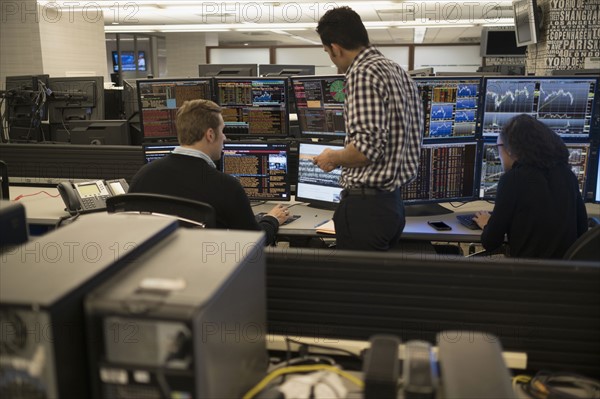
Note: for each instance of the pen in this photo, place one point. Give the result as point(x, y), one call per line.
point(322, 223)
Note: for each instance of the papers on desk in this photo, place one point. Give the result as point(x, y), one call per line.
point(326, 228)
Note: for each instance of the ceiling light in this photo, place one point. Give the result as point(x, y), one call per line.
point(419, 34)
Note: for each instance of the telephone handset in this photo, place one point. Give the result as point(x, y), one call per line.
point(90, 196)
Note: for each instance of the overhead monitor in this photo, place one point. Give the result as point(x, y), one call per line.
point(261, 167)
point(564, 103)
point(451, 106)
point(253, 107)
point(320, 189)
point(154, 151)
point(491, 168)
point(447, 172)
point(76, 98)
point(129, 61)
point(500, 42)
point(285, 70)
point(159, 100)
point(320, 105)
point(527, 17)
point(207, 70)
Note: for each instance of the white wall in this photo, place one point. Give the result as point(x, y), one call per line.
point(448, 58)
point(20, 45)
point(239, 56)
point(185, 51)
point(73, 45)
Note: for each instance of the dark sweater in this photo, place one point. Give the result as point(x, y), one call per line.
point(192, 178)
point(541, 212)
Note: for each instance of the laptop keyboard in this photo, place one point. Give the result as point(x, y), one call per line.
point(467, 221)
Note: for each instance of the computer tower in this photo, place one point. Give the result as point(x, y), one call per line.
point(187, 320)
point(42, 286)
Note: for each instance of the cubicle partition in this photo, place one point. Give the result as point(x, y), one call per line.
point(52, 163)
point(547, 309)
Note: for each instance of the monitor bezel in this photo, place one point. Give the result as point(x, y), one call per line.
point(140, 82)
point(286, 120)
point(526, 9)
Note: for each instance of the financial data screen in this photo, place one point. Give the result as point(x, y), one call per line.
point(261, 168)
point(564, 104)
point(320, 105)
point(159, 101)
point(152, 152)
point(451, 106)
point(254, 106)
point(314, 185)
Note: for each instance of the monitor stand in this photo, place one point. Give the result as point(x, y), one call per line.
point(425, 210)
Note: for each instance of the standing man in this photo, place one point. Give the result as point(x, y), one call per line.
point(384, 121)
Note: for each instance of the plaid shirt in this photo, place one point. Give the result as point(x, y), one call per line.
point(384, 121)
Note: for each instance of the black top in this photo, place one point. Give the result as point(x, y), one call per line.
point(192, 178)
point(541, 212)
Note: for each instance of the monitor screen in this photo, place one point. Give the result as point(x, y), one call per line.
point(205, 70)
point(320, 105)
point(159, 100)
point(318, 188)
point(451, 106)
point(491, 168)
point(596, 186)
point(129, 61)
point(563, 103)
point(253, 107)
point(447, 172)
point(155, 151)
point(526, 22)
point(261, 168)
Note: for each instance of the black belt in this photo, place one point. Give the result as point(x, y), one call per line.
point(363, 191)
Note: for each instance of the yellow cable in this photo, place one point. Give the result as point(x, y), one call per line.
point(299, 369)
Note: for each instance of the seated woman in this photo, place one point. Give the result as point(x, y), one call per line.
point(538, 204)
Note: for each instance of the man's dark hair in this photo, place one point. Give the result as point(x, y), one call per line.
point(533, 143)
point(344, 27)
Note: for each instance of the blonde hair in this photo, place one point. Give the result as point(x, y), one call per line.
point(194, 118)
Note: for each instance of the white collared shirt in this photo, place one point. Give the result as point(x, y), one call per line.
point(194, 153)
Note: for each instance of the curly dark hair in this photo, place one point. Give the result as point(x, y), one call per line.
point(343, 26)
point(533, 143)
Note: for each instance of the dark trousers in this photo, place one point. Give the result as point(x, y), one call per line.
point(369, 221)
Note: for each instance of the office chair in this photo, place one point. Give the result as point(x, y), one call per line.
point(586, 247)
point(4, 193)
point(190, 213)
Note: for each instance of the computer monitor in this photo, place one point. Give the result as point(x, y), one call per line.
point(129, 61)
point(447, 172)
point(320, 105)
point(451, 106)
point(527, 16)
point(26, 106)
point(159, 100)
point(130, 98)
point(154, 151)
point(285, 70)
point(319, 189)
point(491, 168)
point(261, 167)
point(102, 132)
point(253, 107)
point(595, 181)
point(76, 98)
point(205, 70)
point(563, 103)
point(500, 42)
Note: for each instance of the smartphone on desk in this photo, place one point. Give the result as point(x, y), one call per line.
point(439, 225)
point(90, 196)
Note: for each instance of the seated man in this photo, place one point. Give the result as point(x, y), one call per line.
point(189, 172)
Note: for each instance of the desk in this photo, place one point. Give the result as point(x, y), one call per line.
point(40, 209)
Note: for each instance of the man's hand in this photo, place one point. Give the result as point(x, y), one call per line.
point(326, 160)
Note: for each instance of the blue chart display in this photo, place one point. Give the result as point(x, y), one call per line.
point(564, 104)
point(451, 106)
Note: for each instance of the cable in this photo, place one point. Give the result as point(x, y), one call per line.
point(38, 193)
point(332, 348)
point(545, 385)
point(300, 369)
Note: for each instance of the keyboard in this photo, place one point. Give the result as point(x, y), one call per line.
point(290, 220)
point(467, 221)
